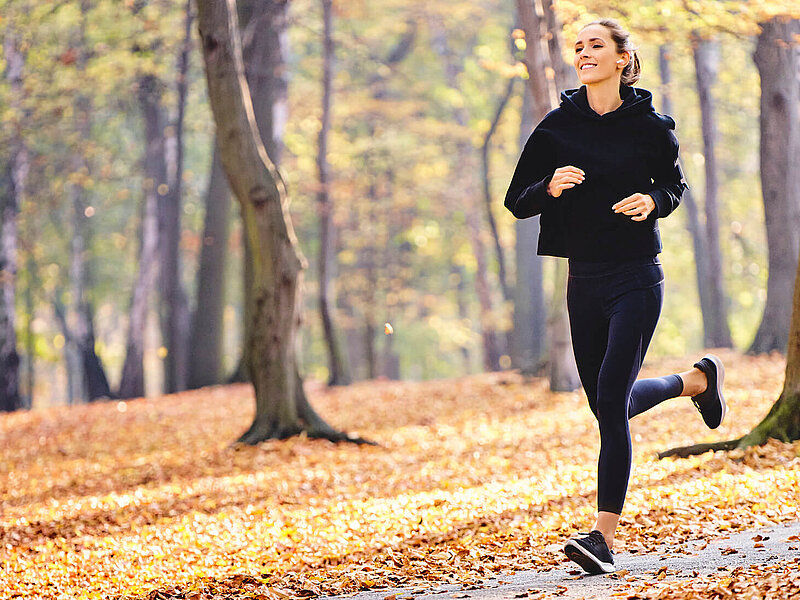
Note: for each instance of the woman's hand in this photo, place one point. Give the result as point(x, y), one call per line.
point(638, 206)
point(564, 178)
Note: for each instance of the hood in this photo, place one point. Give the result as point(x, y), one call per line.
point(635, 101)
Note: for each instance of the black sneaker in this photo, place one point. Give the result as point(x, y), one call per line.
point(711, 403)
point(591, 552)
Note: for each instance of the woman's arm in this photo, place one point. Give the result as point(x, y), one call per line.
point(527, 193)
point(668, 179)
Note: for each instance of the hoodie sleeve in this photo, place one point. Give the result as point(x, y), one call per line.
point(527, 193)
point(668, 179)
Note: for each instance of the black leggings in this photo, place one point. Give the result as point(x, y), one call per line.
point(613, 311)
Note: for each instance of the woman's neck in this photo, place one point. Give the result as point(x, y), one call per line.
point(603, 96)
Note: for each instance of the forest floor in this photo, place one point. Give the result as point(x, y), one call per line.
point(473, 480)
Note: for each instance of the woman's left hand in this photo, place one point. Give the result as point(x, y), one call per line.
point(638, 206)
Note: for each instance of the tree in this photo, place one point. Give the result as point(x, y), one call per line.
point(12, 189)
point(705, 60)
point(282, 409)
point(337, 365)
point(562, 370)
point(692, 214)
point(778, 62)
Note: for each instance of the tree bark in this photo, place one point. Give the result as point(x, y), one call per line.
point(778, 60)
point(132, 381)
point(705, 58)
point(205, 349)
point(530, 307)
point(337, 365)
point(281, 407)
point(12, 190)
point(693, 223)
point(175, 316)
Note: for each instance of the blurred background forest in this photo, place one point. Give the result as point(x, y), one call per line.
point(128, 249)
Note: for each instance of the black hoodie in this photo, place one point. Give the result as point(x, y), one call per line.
point(628, 150)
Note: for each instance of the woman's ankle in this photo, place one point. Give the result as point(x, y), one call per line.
point(694, 382)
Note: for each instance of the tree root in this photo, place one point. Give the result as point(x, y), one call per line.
point(686, 451)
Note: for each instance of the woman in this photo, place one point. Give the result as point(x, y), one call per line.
point(600, 170)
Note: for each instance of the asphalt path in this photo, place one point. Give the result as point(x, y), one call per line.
point(751, 547)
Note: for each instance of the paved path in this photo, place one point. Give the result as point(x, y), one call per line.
point(723, 554)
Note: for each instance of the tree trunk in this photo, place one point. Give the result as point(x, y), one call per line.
point(12, 190)
point(491, 352)
point(174, 303)
point(563, 371)
point(97, 387)
point(705, 59)
point(205, 349)
point(76, 329)
point(281, 407)
point(132, 381)
point(530, 308)
point(776, 57)
point(692, 214)
point(337, 364)
point(487, 195)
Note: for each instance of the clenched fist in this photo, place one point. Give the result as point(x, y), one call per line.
point(564, 178)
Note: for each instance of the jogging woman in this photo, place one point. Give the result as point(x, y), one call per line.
point(600, 170)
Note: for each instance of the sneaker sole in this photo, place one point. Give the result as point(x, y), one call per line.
point(720, 378)
point(576, 553)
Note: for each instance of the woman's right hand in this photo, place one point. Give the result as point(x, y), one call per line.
point(564, 178)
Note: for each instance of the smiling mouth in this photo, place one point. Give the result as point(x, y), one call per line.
point(584, 67)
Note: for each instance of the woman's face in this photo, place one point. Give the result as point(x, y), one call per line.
point(596, 55)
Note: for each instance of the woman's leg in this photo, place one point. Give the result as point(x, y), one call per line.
point(632, 320)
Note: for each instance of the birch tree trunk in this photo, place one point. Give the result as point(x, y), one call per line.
point(778, 60)
point(282, 409)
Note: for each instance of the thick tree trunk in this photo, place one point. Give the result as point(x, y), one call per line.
point(281, 407)
point(205, 348)
point(12, 190)
point(783, 420)
point(693, 223)
point(778, 60)
point(530, 307)
point(705, 59)
point(174, 303)
point(132, 381)
point(337, 364)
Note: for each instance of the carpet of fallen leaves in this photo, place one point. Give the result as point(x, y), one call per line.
point(473, 478)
